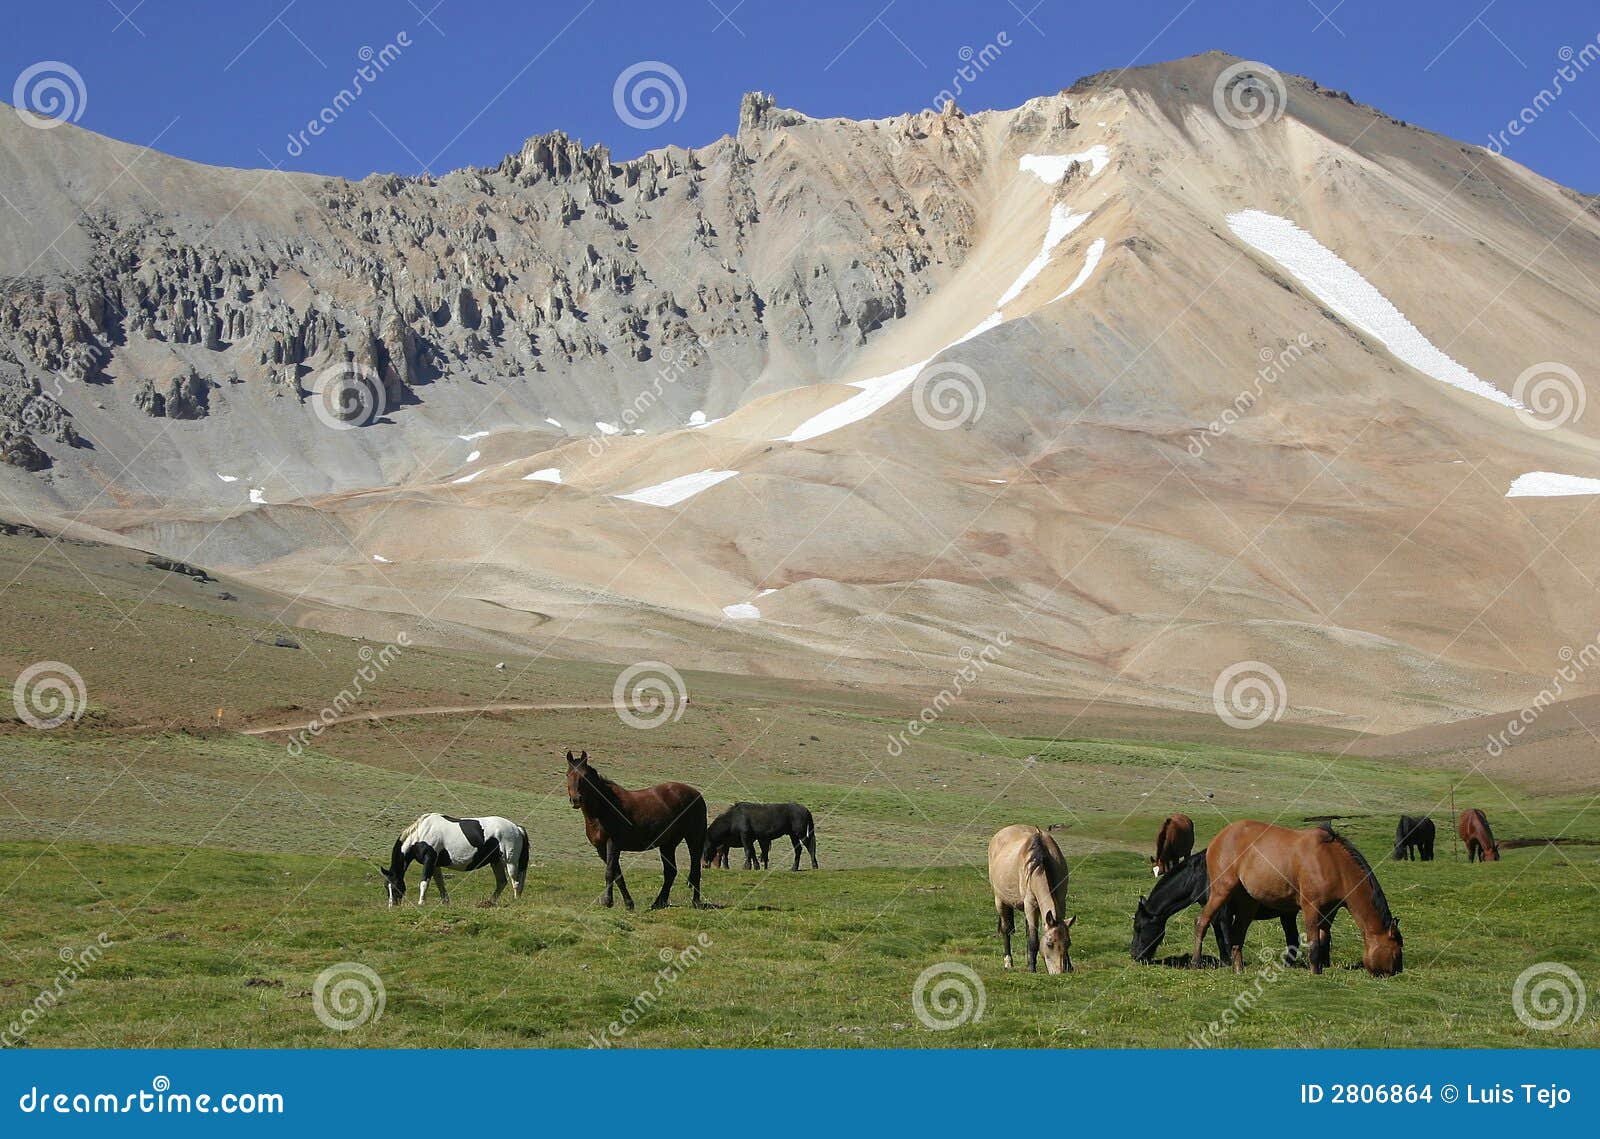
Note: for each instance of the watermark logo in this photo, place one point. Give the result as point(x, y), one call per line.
point(1248, 95)
point(1573, 665)
point(348, 395)
point(974, 663)
point(74, 964)
point(1572, 64)
point(649, 94)
point(1249, 694)
point(1548, 996)
point(649, 694)
point(347, 995)
point(948, 995)
point(948, 395)
point(371, 64)
point(374, 663)
point(675, 963)
point(48, 694)
point(1275, 364)
point(1551, 394)
point(49, 93)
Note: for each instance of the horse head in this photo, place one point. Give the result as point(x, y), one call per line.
point(1055, 943)
point(1147, 931)
point(395, 883)
point(578, 770)
point(1383, 952)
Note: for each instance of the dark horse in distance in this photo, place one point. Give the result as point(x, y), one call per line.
point(659, 817)
point(751, 824)
point(1478, 838)
point(1186, 883)
point(1413, 838)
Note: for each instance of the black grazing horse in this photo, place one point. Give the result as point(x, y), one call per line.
point(750, 824)
point(1414, 838)
point(1189, 884)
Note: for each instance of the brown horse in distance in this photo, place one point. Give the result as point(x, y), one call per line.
point(1261, 868)
point(659, 817)
point(1174, 841)
point(1473, 828)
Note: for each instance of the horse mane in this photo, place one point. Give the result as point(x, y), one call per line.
point(1038, 855)
point(605, 788)
point(1379, 901)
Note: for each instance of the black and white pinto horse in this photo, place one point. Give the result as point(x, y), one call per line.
point(440, 842)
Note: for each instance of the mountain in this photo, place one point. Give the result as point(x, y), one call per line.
point(1189, 378)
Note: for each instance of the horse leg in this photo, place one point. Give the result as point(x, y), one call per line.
point(1007, 923)
point(766, 851)
point(811, 847)
point(1316, 934)
point(796, 842)
point(429, 867)
point(750, 861)
point(1208, 914)
point(1291, 939)
point(1031, 916)
point(695, 844)
point(609, 854)
point(500, 879)
point(622, 883)
point(438, 880)
point(669, 871)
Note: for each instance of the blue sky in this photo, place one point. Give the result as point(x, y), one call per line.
point(231, 82)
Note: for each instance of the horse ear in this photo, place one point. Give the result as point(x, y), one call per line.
point(1070, 922)
point(1143, 899)
point(570, 757)
point(584, 758)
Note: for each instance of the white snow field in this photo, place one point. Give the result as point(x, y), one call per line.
point(549, 474)
point(468, 478)
point(1328, 278)
point(674, 491)
point(881, 390)
point(1548, 484)
point(1051, 168)
point(1062, 222)
point(607, 428)
point(474, 435)
point(1091, 258)
point(744, 611)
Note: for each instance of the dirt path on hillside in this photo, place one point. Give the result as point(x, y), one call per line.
point(435, 710)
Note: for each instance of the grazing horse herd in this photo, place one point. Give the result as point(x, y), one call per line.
point(1251, 870)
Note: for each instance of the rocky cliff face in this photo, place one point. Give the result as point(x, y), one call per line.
point(557, 260)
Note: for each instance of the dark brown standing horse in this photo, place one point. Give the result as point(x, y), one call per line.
point(1174, 841)
point(659, 817)
point(1261, 868)
point(1478, 838)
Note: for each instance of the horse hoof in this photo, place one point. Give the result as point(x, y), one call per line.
point(658, 905)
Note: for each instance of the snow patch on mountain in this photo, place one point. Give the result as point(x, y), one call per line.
point(674, 491)
point(1344, 290)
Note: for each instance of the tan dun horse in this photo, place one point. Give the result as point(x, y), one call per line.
point(1174, 841)
point(1028, 873)
point(1266, 869)
point(1473, 828)
point(659, 817)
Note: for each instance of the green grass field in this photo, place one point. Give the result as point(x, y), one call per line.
point(216, 875)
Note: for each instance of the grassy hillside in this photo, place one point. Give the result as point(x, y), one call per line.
point(216, 874)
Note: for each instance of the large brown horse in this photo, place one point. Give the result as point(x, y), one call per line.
point(659, 817)
point(1261, 868)
point(1473, 828)
point(1174, 841)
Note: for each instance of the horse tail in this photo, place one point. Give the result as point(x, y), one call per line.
point(522, 856)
